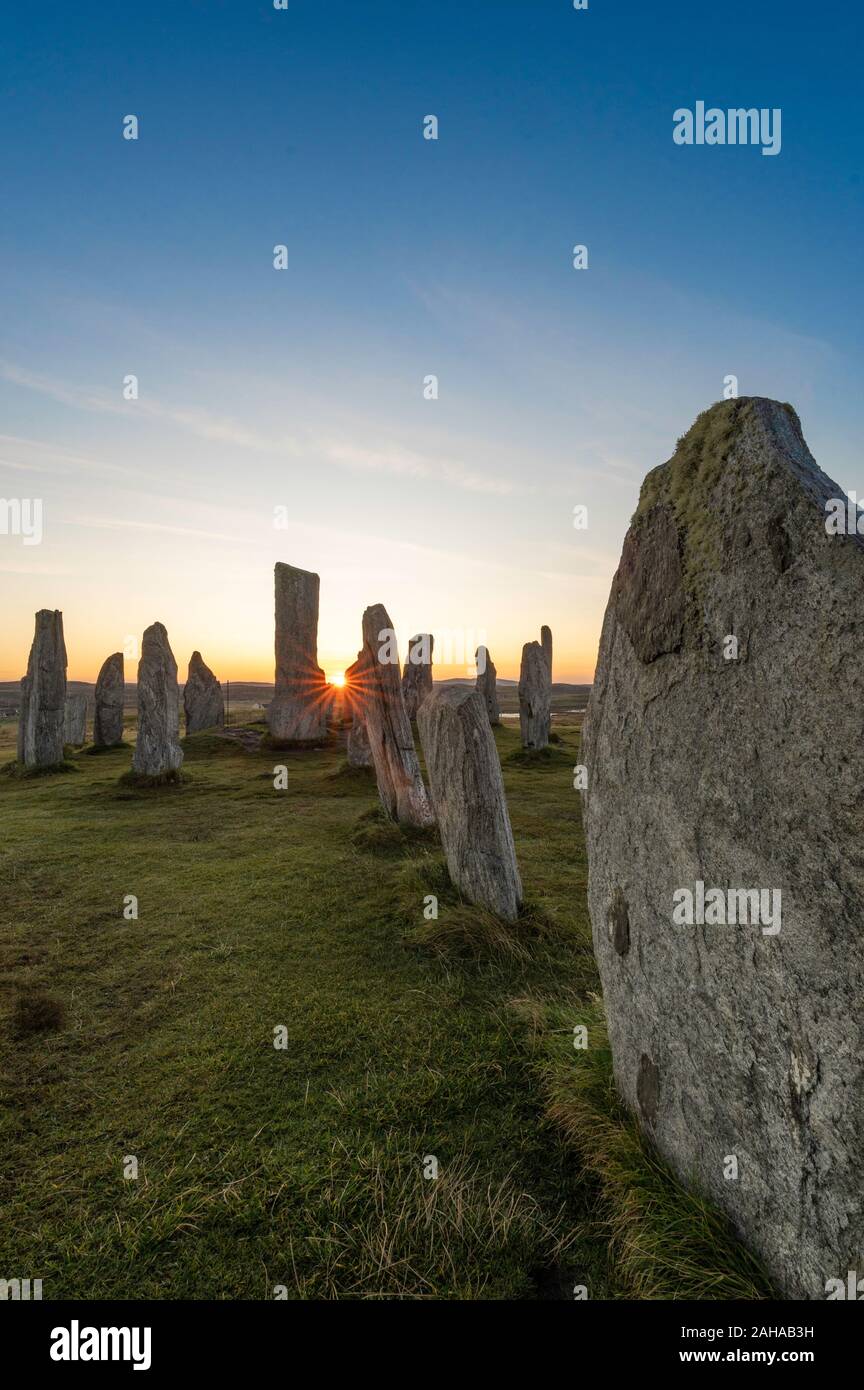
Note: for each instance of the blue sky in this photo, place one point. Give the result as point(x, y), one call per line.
point(303, 388)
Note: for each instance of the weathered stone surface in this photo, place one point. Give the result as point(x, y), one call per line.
point(43, 694)
point(468, 796)
point(535, 696)
point(356, 694)
point(397, 769)
point(417, 673)
point(75, 720)
point(546, 644)
point(108, 720)
point(487, 683)
point(202, 697)
point(157, 747)
point(743, 774)
point(298, 713)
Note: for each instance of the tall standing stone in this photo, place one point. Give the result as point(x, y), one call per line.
point(397, 769)
point(725, 766)
point(157, 747)
point(468, 795)
point(356, 695)
point(108, 720)
point(298, 713)
point(75, 720)
point(43, 694)
point(487, 684)
point(417, 672)
point(546, 644)
point(535, 696)
point(202, 697)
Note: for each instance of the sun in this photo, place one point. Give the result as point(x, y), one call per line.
point(338, 678)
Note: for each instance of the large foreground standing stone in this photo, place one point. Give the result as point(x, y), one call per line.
point(157, 748)
point(724, 748)
point(356, 694)
point(417, 673)
point(298, 712)
point(75, 720)
point(487, 683)
point(108, 720)
point(468, 796)
point(202, 697)
point(535, 696)
point(397, 769)
point(43, 694)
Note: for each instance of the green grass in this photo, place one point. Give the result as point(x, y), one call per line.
point(300, 1167)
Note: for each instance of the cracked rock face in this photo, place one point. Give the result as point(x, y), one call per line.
point(202, 697)
point(487, 683)
point(744, 772)
point(297, 715)
point(108, 719)
point(41, 724)
point(468, 796)
point(397, 769)
point(157, 747)
point(417, 673)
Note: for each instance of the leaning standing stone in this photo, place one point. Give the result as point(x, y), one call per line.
point(468, 796)
point(297, 714)
point(417, 673)
point(43, 695)
point(724, 827)
point(202, 697)
point(108, 720)
point(157, 748)
point(397, 770)
point(75, 720)
point(487, 683)
point(535, 696)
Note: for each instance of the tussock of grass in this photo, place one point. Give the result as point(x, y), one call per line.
point(175, 777)
point(348, 779)
point(97, 750)
point(378, 834)
point(666, 1242)
point(418, 1235)
point(540, 758)
point(21, 772)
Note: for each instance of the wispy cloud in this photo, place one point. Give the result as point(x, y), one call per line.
point(388, 458)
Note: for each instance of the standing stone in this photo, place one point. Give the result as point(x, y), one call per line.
point(417, 673)
point(43, 694)
point(535, 696)
point(108, 720)
point(157, 748)
point(725, 761)
point(397, 769)
point(487, 683)
point(356, 694)
point(468, 795)
point(297, 714)
point(75, 720)
point(546, 644)
point(202, 698)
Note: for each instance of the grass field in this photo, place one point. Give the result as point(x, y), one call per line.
point(301, 1168)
